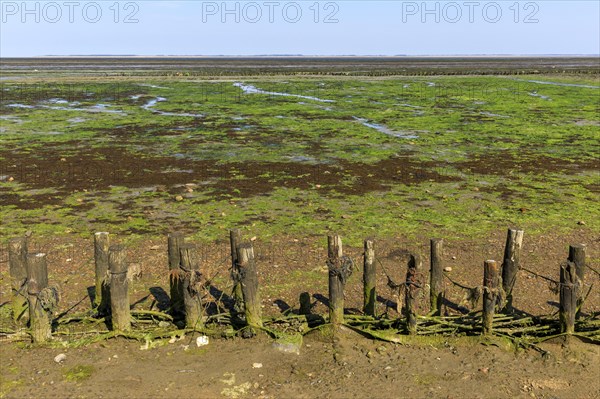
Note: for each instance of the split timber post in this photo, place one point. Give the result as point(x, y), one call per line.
point(101, 247)
point(119, 288)
point(369, 278)
point(336, 279)
point(17, 262)
point(190, 267)
point(568, 296)
point(491, 283)
point(235, 239)
point(412, 287)
point(577, 256)
point(37, 280)
point(249, 284)
point(511, 265)
point(436, 276)
point(175, 241)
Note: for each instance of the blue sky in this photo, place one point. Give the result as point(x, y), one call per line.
point(144, 27)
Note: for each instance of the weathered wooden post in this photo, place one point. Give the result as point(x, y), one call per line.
point(577, 256)
point(491, 282)
point(412, 288)
point(304, 303)
point(17, 263)
point(369, 278)
point(101, 246)
point(337, 279)
point(37, 280)
point(568, 297)
point(511, 265)
point(190, 267)
point(174, 242)
point(119, 288)
point(235, 239)
point(436, 276)
point(249, 283)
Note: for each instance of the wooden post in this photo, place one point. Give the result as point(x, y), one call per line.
point(413, 285)
point(101, 246)
point(336, 279)
point(249, 283)
point(369, 278)
point(568, 297)
point(235, 239)
point(190, 266)
point(511, 265)
point(436, 276)
point(37, 280)
point(175, 240)
point(304, 303)
point(491, 282)
point(577, 256)
point(17, 263)
point(119, 288)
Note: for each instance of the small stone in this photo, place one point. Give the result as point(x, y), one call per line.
point(484, 370)
point(581, 223)
point(257, 365)
point(370, 354)
point(155, 247)
point(388, 368)
point(202, 340)
point(63, 160)
point(60, 358)
point(179, 198)
point(316, 185)
point(475, 189)
point(189, 190)
point(253, 238)
point(11, 178)
point(447, 269)
point(454, 258)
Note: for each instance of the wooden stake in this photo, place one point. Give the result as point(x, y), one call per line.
point(17, 263)
point(37, 280)
point(235, 239)
point(190, 265)
point(175, 240)
point(249, 283)
point(101, 246)
point(577, 256)
point(304, 303)
point(369, 278)
point(413, 286)
point(119, 288)
point(491, 282)
point(511, 265)
point(436, 276)
point(336, 279)
point(568, 297)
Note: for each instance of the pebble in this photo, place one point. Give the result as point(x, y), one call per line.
point(447, 269)
point(454, 258)
point(155, 247)
point(60, 358)
point(179, 198)
point(257, 365)
point(581, 223)
point(11, 178)
point(202, 340)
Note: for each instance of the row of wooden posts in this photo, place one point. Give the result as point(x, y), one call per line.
point(29, 276)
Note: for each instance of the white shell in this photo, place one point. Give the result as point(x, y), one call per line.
point(202, 340)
